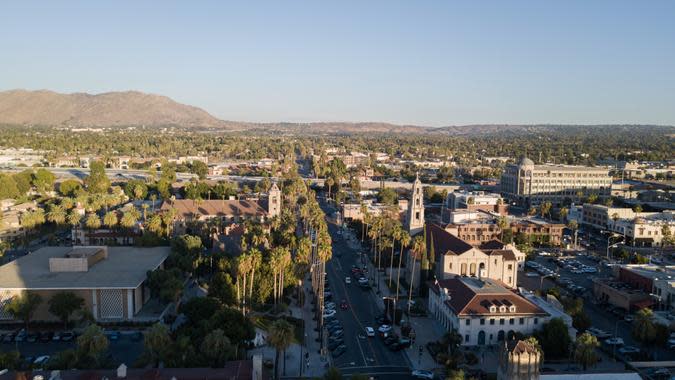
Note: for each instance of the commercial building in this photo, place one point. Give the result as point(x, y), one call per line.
point(657, 281)
point(354, 211)
point(639, 228)
point(620, 294)
point(476, 200)
point(111, 280)
point(483, 311)
point(530, 185)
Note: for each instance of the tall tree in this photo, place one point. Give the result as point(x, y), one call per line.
point(91, 346)
point(23, 307)
point(584, 350)
point(280, 337)
point(64, 304)
point(97, 182)
point(217, 348)
point(404, 239)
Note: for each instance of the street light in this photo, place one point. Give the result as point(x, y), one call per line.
point(611, 235)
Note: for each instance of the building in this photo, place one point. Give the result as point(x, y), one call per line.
point(483, 311)
point(111, 280)
point(353, 211)
point(529, 184)
point(657, 281)
point(638, 228)
point(620, 294)
point(476, 200)
point(415, 216)
point(518, 360)
point(539, 230)
point(453, 256)
point(11, 227)
point(190, 211)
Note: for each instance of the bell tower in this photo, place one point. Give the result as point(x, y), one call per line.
point(274, 201)
point(415, 217)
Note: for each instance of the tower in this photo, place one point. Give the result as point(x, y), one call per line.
point(274, 201)
point(518, 360)
point(415, 217)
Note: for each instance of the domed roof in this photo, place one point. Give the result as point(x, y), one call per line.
point(525, 162)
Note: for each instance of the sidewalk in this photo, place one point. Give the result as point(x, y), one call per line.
point(426, 330)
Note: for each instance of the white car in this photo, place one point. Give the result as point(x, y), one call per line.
point(370, 331)
point(329, 306)
point(421, 374)
point(531, 274)
point(348, 280)
point(329, 313)
point(384, 329)
point(629, 350)
point(614, 342)
point(41, 361)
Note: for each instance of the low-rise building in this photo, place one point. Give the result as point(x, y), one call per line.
point(639, 228)
point(483, 311)
point(110, 280)
point(657, 281)
point(476, 200)
point(620, 294)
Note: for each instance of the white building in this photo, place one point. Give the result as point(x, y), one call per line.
point(483, 311)
point(640, 228)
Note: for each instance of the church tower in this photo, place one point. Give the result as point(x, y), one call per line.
point(274, 201)
point(415, 218)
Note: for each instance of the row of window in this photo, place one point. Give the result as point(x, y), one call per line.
point(502, 321)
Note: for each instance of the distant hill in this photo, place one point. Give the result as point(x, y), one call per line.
point(133, 108)
point(130, 108)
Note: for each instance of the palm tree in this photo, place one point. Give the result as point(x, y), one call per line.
point(574, 226)
point(153, 198)
point(643, 326)
point(395, 236)
point(243, 268)
point(145, 206)
point(502, 223)
point(584, 351)
point(110, 219)
point(128, 221)
point(329, 181)
point(155, 224)
point(255, 258)
point(92, 222)
point(365, 217)
point(404, 239)
point(280, 337)
point(419, 246)
point(168, 217)
point(56, 214)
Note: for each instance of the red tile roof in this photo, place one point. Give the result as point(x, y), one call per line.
point(471, 296)
point(187, 208)
point(444, 242)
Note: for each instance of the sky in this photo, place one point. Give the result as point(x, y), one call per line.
point(432, 63)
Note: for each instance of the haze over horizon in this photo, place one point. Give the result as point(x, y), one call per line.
point(431, 64)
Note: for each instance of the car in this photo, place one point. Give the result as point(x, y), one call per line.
point(370, 331)
point(396, 346)
point(137, 336)
point(628, 318)
point(404, 342)
point(600, 334)
point(384, 328)
point(21, 336)
point(341, 349)
point(46, 336)
point(32, 337)
point(67, 336)
point(531, 274)
point(348, 280)
point(329, 305)
point(9, 338)
point(329, 313)
point(337, 333)
point(41, 361)
point(344, 305)
point(390, 339)
point(614, 342)
point(628, 350)
point(335, 344)
point(56, 337)
point(333, 328)
point(421, 374)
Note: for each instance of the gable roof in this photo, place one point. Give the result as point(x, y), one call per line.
point(507, 254)
point(187, 208)
point(444, 242)
point(492, 244)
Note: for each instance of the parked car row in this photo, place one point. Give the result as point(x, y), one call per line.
point(33, 337)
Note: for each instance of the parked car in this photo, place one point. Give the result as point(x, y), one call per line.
point(32, 337)
point(329, 313)
point(46, 336)
point(370, 331)
point(67, 336)
point(421, 374)
point(348, 280)
point(339, 351)
point(41, 361)
point(629, 350)
point(384, 328)
point(344, 305)
point(614, 342)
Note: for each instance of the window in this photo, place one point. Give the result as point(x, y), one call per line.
point(472, 269)
point(501, 321)
point(468, 322)
point(493, 309)
point(512, 321)
point(521, 321)
point(482, 321)
point(492, 321)
point(463, 269)
point(510, 267)
point(536, 321)
point(466, 338)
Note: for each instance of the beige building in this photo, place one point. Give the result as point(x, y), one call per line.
point(456, 257)
point(518, 360)
point(111, 280)
point(529, 184)
point(639, 228)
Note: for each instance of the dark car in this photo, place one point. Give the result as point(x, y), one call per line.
point(46, 336)
point(337, 333)
point(339, 351)
point(9, 338)
point(391, 339)
point(405, 343)
point(67, 336)
point(334, 328)
point(335, 344)
point(395, 347)
point(137, 336)
point(32, 337)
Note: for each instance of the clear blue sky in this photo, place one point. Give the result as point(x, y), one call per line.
point(421, 62)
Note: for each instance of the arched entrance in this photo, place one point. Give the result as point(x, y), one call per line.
point(511, 335)
point(500, 336)
point(481, 338)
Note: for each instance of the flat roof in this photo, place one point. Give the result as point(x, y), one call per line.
point(124, 268)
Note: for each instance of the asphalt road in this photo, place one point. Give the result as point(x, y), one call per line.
point(364, 355)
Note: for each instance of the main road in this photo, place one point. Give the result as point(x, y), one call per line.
point(364, 355)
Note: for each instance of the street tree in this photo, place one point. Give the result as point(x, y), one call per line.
point(65, 304)
point(584, 350)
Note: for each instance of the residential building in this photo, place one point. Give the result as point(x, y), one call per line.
point(483, 311)
point(529, 184)
point(453, 256)
point(111, 280)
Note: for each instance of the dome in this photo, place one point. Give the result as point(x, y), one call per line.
point(525, 162)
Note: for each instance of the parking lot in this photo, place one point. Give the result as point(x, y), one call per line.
point(125, 347)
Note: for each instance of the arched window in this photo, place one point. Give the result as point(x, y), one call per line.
point(463, 269)
point(472, 269)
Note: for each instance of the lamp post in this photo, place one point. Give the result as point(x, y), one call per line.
point(616, 335)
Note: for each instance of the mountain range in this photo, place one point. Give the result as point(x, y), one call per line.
point(133, 108)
